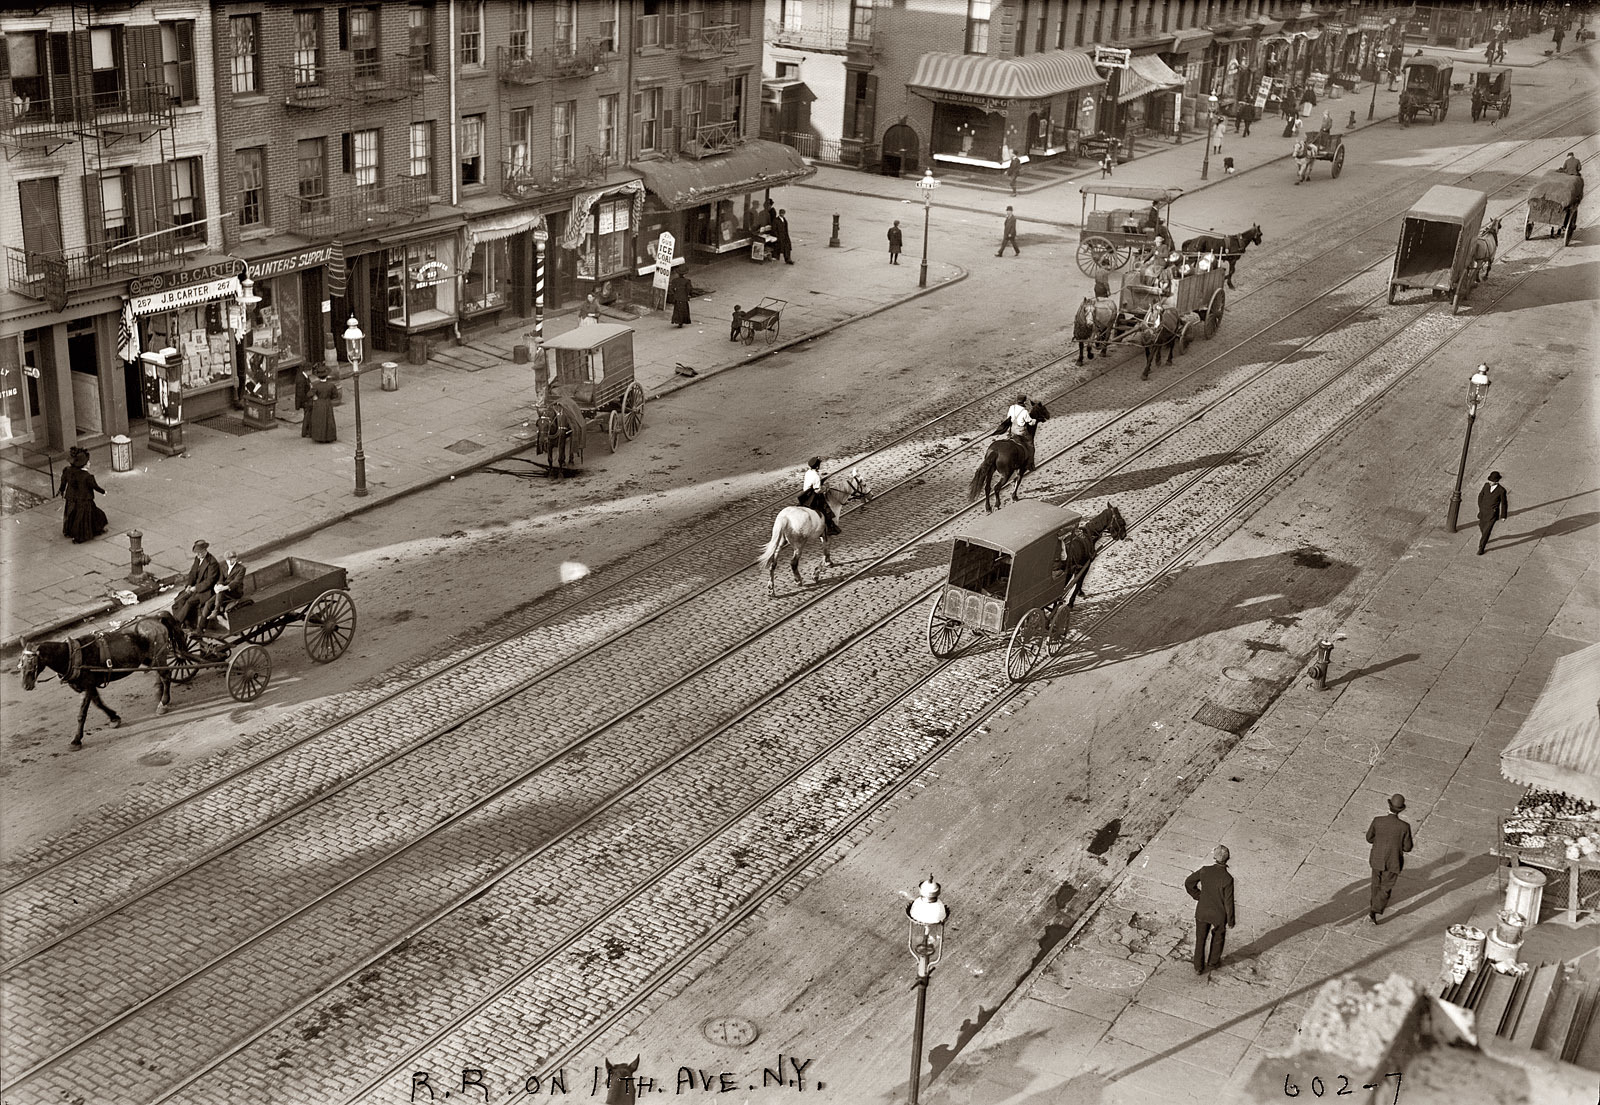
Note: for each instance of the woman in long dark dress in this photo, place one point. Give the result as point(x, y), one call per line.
point(83, 520)
point(678, 291)
point(321, 415)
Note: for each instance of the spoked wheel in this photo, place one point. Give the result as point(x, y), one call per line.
point(1338, 162)
point(1444, 109)
point(249, 672)
point(1219, 302)
point(944, 634)
point(1028, 645)
point(1097, 255)
point(1572, 224)
point(1392, 288)
point(266, 632)
point(182, 671)
point(747, 334)
point(1462, 287)
point(613, 429)
point(330, 625)
point(632, 411)
point(1060, 622)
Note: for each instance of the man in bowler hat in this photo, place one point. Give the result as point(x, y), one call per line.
point(1211, 887)
point(1390, 837)
point(1492, 506)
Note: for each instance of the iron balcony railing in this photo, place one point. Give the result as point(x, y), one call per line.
point(27, 108)
point(318, 86)
point(808, 36)
point(711, 138)
point(307, 86)
point(572, 59)
point(33, 273)
point(517, 66)
point(375, 206)
point(520, 176)
point(701, 40)
point(832, 150)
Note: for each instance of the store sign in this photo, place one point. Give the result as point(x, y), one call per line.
point(991, 104)
point(278, 266)
point(185, 278)
point(1109, 57)
point(664, 247)
point(429, 273)
point(189, 296)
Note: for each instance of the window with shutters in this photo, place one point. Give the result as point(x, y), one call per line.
point(307, 49)
point(106, 60)
point(471, 149)
point(363, 37)
point(647, 107)
point(419, 23)
point(566, 27)
point(1020, 45)
point(421, 161)
point(694, 108)
point(472, 33)
point(311, 155)
point(40, 202)
point(116, 206)
point(1039, 36)
point(520, 41)
point(251, 168)
point(519, 139)
point(610, 131)
point(177, 61)
point(610, 20)
point(648, 31)
point(30, 81)
point(188, 200)
point(366, 157)
point(791, 13)
point(563, 136)
point(246, 61)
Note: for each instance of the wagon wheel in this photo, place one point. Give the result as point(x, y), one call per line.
point(1462, 287)
point(1392, 287)
point(1444, 109)
point(1028, 645)
point(182, 671)
point(330, 625)
point(1060, 622)
point(1183, 338)
point(613, 429)
point(1219, 303)
point(1505, 108)
point(1338, 162)
point(1097, 255)
point(747, 333)
point(632, 410)
point(266, 632)
point(944, 634)
point(1527, 230)
point(774, 329)
point(249, 672)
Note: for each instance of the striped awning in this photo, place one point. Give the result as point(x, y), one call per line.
point(1558, 746)
point(967, 77)
point(1146, 74)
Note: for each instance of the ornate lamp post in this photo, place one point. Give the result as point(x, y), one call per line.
point(1477, 395)
point(1377, 75)
point(928, 915)
point(1211, 121)
point(927, 184)
point(353, 338)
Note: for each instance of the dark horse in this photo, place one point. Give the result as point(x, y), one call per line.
point(88, 663)
point(1162, 333)
point(1228, 248)
point(559, 432)
point(1079, 550)
point(1092, 325)
point(1005, 458)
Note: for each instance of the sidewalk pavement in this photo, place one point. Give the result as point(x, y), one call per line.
point(1421, 706)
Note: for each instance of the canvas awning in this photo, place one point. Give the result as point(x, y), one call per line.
point(749, 167)
point(975, 78)
point(1146, 74)
point(1188, 41)
point(1558, 746)
point(786, 92)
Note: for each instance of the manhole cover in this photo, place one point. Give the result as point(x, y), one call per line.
point(1238, 675)
point(464, 446)
point(1220, 717)
point(729, 1031)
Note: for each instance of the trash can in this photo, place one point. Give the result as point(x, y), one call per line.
point(417, 349)
point(1525, 892)
point(121, 454)
point(391, 376)
point(521, 354)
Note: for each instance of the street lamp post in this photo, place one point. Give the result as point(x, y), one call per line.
point(1394, 51)
point(928, 915)
point(927, 184)
point(352, 347)
point(1477, 394)
point(1211, 122)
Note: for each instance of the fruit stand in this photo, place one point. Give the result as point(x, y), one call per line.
point(1560, 835)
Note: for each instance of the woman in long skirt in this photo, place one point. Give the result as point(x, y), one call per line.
point(678, 291)
point(321, 414)
point(83, 519)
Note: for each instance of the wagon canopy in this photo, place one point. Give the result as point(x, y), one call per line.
point(587, 337)
point(1019, 525)
point(1428, 63)
point(1132, 191)
point(1557, 187)
point(1445, 204)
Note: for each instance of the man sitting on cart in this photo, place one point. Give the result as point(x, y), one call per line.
point(813, 497)
point(227, 592)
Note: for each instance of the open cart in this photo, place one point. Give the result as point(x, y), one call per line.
point(1113, 237)
point(1435, 249)
point(765, 317)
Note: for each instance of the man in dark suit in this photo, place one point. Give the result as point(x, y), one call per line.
point(228, 590)
point(302, 398)
point(785, 243)
point(1211, 887)
point(1492, 506)
point(1390, 837)
point(198, 584)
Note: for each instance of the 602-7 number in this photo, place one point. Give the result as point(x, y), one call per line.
point(1318, 1088)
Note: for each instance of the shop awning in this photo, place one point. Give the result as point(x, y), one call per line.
point(1195, 38)
point(1234, 32)
point(1268, 26)
point(754, 165)
point(1558, 746)
point(501, 225)
point(787, 92)
point(1146, 74)
point(1028, 78)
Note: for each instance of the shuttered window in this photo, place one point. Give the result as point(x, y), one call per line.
point(177, 61)
point(366, 160)
point(563, 136)
point(647, 114)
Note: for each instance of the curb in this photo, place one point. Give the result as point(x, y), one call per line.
point(67, 621)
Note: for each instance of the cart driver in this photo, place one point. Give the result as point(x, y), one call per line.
point(1572, 166)
point(813, 497)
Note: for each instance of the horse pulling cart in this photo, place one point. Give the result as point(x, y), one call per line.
point(1425, 89)
point(1491, 89)
point(1156, 307)
point(1436, 244)
point(1111, 238)
point(1007, 577)
point(286, 592)
point(1328, 148)
point(1554, 203)
point(590, 382)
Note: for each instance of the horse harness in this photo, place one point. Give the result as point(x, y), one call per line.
point(78, 646)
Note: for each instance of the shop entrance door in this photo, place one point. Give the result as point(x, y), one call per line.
point(83, 354)
point(900, 150)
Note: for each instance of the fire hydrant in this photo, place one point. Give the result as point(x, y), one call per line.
point(137, 559)
point(1351, 125)
point(833, 242)
point(1319, 666)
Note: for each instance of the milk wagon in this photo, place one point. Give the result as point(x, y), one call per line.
point(592, 366)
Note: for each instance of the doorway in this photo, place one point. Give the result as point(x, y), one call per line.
point(83, 356)
point(901, 150)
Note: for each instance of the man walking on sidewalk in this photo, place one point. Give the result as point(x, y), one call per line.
point(1009, 235)
point(1211, 887)
point(1492, 506)
point(1014, 170)
point(897, 239)
point(1390, 837)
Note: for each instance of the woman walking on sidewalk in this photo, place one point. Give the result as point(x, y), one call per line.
point(320, 414)
point(82, 520)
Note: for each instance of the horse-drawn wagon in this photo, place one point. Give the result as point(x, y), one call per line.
point(1111, 238)
point(1009, 576)
point(1554, 203)
point(1425, 88)
point(1436, 243)
point(1157, 307)
point(1491, 89)
point(589, 387)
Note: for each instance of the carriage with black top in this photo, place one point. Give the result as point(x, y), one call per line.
point(1113, 237)
point(1425, 88)
point(589, 370)
point(1436, 240)
point(1007, 578)
point(1491, 90)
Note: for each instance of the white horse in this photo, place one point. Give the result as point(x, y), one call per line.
point(798, 526)
point(1484, 248)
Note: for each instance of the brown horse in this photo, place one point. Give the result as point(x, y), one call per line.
point(1079, 550)
point(1484, 247)
point(1227, 247)
point(559, 432)
point(88, 663)
point(1004, 459)
point(1092, 324)
point(1162, 333)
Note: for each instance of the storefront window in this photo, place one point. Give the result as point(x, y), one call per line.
point(202, 338)
point(19, 393)
point(613, 218)
point(419, 283)
point(484, 286)
point(279, 322)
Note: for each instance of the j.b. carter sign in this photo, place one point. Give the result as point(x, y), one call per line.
point(183, 278)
